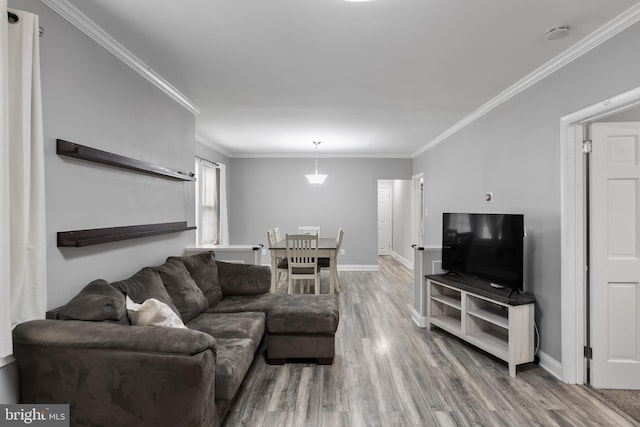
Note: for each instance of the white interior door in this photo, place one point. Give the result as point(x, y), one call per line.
point(615, 258)
point(384, 220)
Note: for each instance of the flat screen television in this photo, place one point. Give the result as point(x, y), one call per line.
point(486, 246)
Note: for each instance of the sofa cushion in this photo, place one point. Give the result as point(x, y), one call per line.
point(231, 325)
point(243, 303)
point(204, 271)
point(266, 303)
point(98, 301)
point(243, 279)
point(153, 313)
point(185, 294)
point(232, 364)
point(145, 284)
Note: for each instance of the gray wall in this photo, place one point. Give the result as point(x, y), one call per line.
point(92, 98)
point(514, 151)
point(210, 154)
point(267, 193)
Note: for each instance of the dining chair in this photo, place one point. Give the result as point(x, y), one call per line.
point(302, 258)
point(325, 262)
point(281, 263)
point(276, 232)
point(309, 229)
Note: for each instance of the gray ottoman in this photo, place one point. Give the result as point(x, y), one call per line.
point(303, 327)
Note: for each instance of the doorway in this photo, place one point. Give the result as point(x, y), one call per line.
point(417, 201)
point(384, 219)
point(613, 290)
point(575, 246)
point(394, 220)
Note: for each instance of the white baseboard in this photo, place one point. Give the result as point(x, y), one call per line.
point(550, 365)
point(349, 267)
point(419, 320)
point(402, 260)
point(356, 267)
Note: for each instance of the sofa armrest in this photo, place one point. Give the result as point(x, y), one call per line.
point(243, 279)
point(113, 374)
point(112, 336)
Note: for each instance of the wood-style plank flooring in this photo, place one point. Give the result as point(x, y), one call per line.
point(389, 372)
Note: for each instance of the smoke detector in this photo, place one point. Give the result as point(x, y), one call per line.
point(556, 33)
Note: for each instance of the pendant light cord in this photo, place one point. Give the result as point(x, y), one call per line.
point(316, 143)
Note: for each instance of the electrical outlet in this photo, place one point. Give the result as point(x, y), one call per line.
point(342, 252)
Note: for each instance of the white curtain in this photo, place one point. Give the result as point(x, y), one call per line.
point(22, 216)
point(224, 218)
point(5, 296)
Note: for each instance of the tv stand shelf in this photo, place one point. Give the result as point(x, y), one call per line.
point(489, 318)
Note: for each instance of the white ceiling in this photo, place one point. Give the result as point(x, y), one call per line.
point(378, 78)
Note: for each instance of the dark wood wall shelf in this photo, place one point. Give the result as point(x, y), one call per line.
point(80, 238)
point(71, 149)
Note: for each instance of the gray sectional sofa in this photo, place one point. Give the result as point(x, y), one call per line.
point(111, 372)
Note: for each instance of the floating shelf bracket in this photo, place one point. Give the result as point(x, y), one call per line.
point(71, 149)
point(79, 238)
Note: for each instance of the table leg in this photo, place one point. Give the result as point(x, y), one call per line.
point(333, 271)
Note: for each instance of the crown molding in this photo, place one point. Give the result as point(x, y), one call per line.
point(91, 29)
point(288, 155)
point(319, 156)
point(602, 34)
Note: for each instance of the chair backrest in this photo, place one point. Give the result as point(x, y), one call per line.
point(302, 250)
point(276, 234)
point(339, 239)
point(309, 229)
point(270, 238)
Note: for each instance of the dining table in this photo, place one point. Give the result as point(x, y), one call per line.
point(327, 248)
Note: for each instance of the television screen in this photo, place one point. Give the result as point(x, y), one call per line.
point(487, 246)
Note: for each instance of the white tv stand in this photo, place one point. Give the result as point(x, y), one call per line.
point(484, 316)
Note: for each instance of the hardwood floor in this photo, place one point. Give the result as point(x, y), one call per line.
point(389, 372)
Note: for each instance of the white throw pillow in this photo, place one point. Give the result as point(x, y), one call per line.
point(153, 313)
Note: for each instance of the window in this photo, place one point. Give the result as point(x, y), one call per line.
point(207, 202)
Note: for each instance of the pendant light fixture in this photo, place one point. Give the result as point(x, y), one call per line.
point(316, 179)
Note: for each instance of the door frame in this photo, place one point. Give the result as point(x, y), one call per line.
point(573, 210)
point(417, 207)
